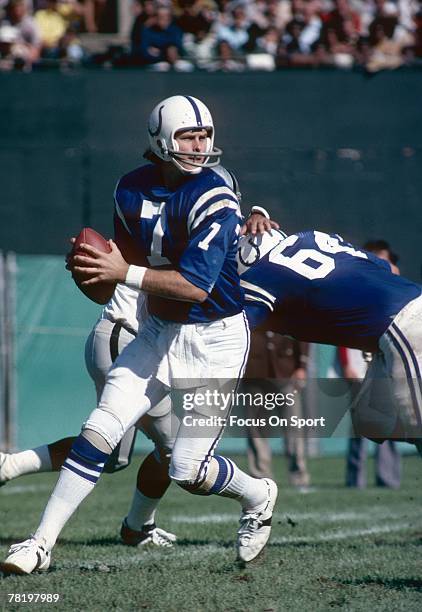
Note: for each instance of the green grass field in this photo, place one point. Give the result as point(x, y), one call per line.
point(330, 548)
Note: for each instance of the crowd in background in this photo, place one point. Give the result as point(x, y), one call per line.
point(214, 35)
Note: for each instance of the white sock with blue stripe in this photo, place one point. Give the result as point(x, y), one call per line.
point(78, 476)
point(233, 482)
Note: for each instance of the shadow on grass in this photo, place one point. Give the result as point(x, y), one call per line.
point(115, 541)
point(106, 541)
point(197, 542)
point(396, 584)
point(408, 539)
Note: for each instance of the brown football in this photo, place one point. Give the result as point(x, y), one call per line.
point(100, 292)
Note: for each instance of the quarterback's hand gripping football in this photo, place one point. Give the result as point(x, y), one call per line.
point(99, 267)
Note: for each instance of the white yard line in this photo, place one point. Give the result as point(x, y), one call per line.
point(205, 518)
point(140, 558)
point(369, 514)
point(340, 534)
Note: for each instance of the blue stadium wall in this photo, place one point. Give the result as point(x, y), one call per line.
point(331, 150)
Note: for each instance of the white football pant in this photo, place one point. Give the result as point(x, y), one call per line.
point(389, 404)
point(165, 355)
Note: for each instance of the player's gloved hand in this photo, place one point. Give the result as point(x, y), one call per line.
point(99, 267)
point(257, 223)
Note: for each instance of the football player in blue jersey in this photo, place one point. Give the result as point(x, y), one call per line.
point(177, 224)
point(317, 288)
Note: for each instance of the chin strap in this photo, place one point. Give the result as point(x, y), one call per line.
point(212, 158)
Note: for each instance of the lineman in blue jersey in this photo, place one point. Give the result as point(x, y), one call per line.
point(177, 223)
point(317, 288)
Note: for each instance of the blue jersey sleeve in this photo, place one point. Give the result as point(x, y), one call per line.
point(213, 234)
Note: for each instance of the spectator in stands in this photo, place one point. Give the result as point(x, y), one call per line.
point(290, 52)
point(159, 42)
point(195, 22)
point(312, 25)
point(52, 26)
point(407, 11)
point(301, 35)
point(226, 60)
point(70, 48)
point(236, 32)
point(417, 46)
point(260, 34)
point(80, 15)
point(278, 13)
point(59, 31)
point(193, 19)
point(224, 8)
point(266, 16)
point(386, 52)
point(256, 13)
point(353, 366)
point(341, 14)
point(269, 41)
point(105, 14)
point(20, 42)
point(145, 17)
point(291, 37)
point(362, 52)
point(146, 11)
point(339, 44)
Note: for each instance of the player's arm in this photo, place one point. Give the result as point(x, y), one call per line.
point(170, 284)
point(112, 268)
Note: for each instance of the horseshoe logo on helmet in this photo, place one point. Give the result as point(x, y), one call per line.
point(252, 256)
point(160, 123)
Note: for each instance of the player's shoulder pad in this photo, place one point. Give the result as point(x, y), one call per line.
point(208, 180)
point(230, 179)
point(209, 194)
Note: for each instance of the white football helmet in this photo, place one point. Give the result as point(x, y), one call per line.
point(181, 113)
point(253, 248)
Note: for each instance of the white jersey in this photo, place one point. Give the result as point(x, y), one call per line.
point(127, 306)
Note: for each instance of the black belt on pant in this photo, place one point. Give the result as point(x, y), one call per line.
point(114, 339)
